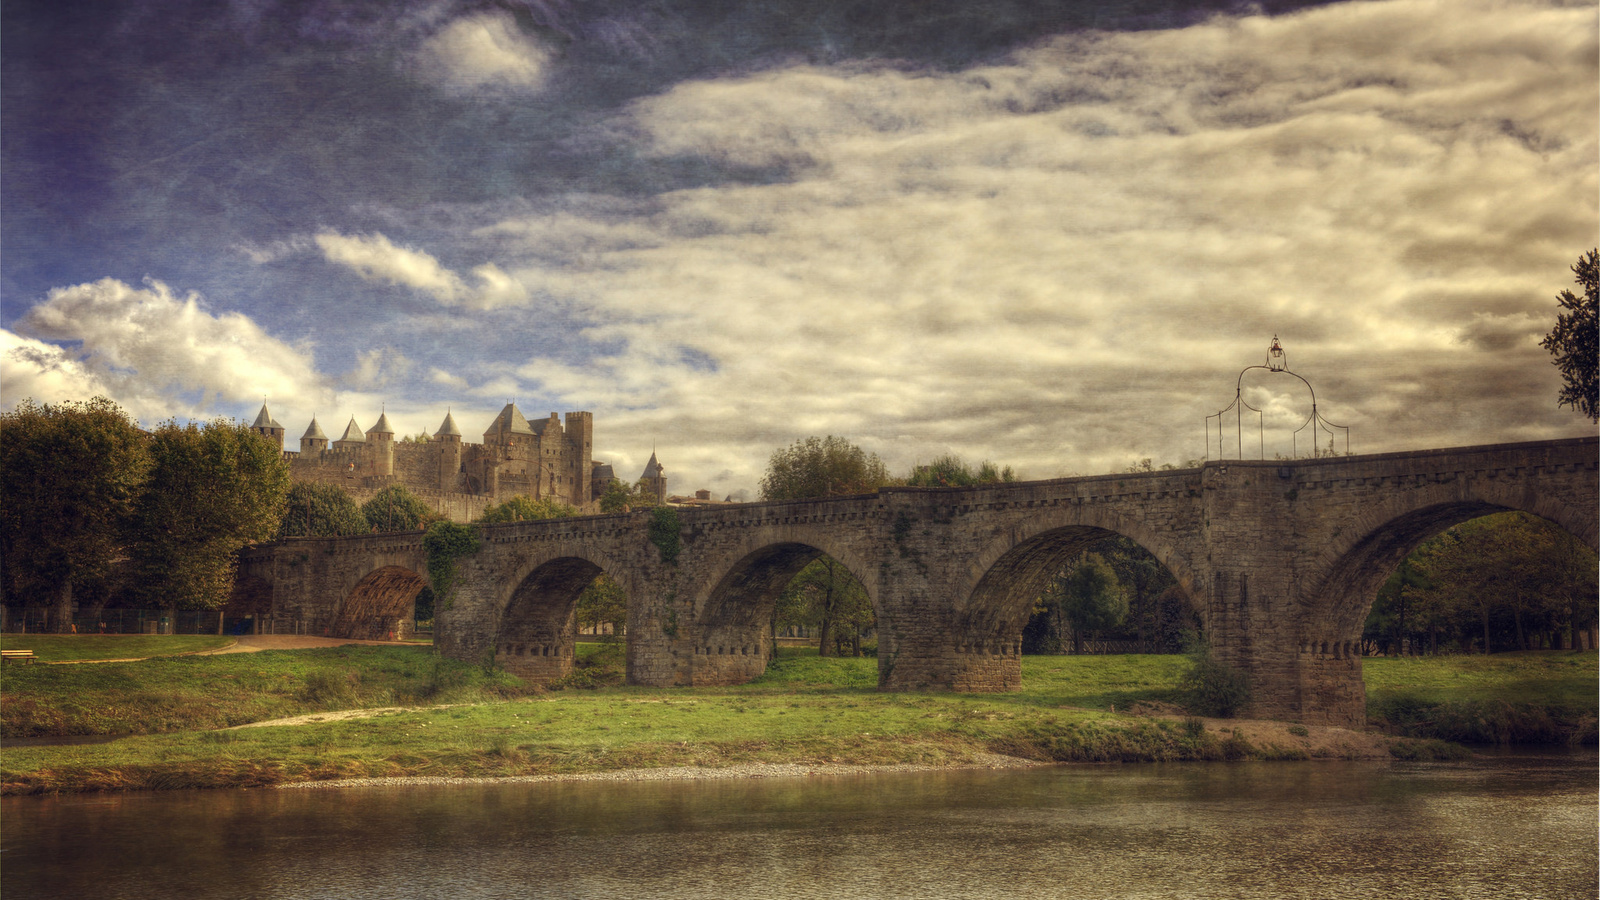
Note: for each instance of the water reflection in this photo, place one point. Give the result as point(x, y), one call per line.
point(1510, 826)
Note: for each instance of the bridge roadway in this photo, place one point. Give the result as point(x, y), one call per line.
point(1281, 560)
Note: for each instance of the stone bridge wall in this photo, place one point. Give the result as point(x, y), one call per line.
point(1281, 559)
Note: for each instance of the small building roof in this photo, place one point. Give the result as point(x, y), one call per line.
point(449, 427)
point(352, 432)
point(314, 433)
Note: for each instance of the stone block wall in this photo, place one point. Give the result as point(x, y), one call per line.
point(1281, 560)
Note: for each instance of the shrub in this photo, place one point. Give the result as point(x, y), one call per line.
point(1211, 687)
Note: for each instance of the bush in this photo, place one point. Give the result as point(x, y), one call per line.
point(1213, 688)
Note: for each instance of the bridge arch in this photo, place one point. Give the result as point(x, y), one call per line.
point(1014, 567)
point(535, 633)
point(735, 601)
point(1347, 574)
point(380, 606)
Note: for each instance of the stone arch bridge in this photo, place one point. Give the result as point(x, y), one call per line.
point(1281, 561)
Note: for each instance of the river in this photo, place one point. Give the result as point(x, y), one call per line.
point(1508, 824)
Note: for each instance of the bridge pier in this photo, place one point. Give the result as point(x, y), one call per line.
point(1282, 560)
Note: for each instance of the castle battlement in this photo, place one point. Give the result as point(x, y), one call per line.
point(550, 457)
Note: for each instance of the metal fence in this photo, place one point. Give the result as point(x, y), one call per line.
point(38, 620)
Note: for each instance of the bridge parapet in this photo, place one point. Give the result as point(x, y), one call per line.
point(1281, 560)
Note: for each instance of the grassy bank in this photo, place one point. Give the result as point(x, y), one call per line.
point(1544, 697)
point(84, 647)
point(804, 710)
point(196, 693)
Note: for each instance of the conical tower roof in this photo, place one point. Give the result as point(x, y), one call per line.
point(510, 421)
point(652, 469)
point(314, 433)
point(383, 426)
point(352, 432)
point(264, 419)
point(449, 427)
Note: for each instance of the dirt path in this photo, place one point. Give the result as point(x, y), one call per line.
point(250, 643)
point(255, 643)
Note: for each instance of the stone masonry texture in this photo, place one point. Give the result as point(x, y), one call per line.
point(1281, 560)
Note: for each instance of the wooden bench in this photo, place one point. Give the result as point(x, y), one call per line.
point(17, 656)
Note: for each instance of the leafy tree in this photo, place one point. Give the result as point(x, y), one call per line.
point(69, 477)
point(822, 467)
point(826, 596)
point(950, 471)
point(329, 508)
point(619, 497)
point(1575, 341)
point(523, 508)
point(603, 602)
point(1507, 577)
point(1089, 598)
point(212, 490)
point(421, 437)
point(396, 509)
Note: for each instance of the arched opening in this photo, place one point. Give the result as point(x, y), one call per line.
point(381, 607)
point(537, 637)
point(1077, 589)
point(788, 593)
point(1505, 581)
point(1334, 621)
point(249, 606)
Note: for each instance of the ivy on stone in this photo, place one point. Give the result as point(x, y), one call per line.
point(664, 528)
point(445, 543)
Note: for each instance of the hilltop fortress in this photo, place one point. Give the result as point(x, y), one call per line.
point(547, 458)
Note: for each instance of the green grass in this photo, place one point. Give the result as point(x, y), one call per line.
point(190, 693)
point(805, 709)
point(1543, 697)
point(76, 647)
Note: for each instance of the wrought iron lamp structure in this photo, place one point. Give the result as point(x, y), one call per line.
point(1277, 363)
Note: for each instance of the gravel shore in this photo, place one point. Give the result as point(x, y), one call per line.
point(675, 773)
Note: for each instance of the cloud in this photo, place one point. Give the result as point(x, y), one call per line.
point(1059, 261)
point(154, 352)
point(440, 376)
point(377, 369)
point(484, 54)
point(376, 258)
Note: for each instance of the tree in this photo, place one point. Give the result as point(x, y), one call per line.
point(618, 497)
point(1575, 341)
point(950, 471)
point(327, 508)
point(396, 509)
point(603, 602)
point(822, 467)
point(826, 596)
point(1090, 598)
point(69, 477)
point(523, 508)
point(212, 490)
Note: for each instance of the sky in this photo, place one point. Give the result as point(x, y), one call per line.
point(1049, 236)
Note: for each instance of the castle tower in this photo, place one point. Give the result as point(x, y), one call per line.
point(353, 439)
point(509, 428)
point(313, 441)
point(380, 438)
point(580, 456)
point(448, 439)
point(654, 478)
point(268, 427)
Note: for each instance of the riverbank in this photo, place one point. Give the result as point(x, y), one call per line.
point(400, 712)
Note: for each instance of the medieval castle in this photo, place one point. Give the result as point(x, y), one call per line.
point(517, 457)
